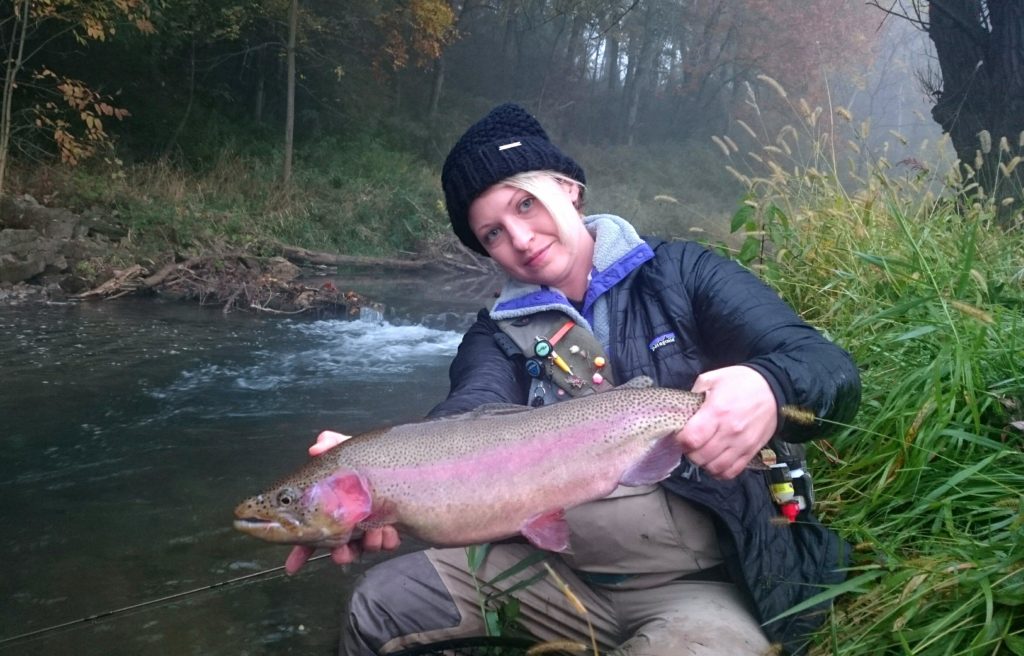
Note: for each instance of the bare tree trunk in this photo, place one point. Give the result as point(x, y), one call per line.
point(289, 121)
point(188, 106)
point(572, 50)
point(257, 110)
point(13, 67)
point(644, 64)
point(440, 64)
point(611, 54)
point(436, 87)
point(980, 48)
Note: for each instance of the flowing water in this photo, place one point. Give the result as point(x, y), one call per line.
point(130, 429)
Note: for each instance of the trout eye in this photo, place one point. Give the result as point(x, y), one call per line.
point(287, 497)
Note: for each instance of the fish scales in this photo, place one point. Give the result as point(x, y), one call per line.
point(480, 476)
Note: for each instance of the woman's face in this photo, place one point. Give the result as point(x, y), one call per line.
point(521, 235)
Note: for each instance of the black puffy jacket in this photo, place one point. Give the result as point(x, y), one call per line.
point(719, 315)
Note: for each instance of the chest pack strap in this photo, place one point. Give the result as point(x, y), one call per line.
point(558, 350)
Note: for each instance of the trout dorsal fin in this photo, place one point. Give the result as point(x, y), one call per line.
point(491, 409)
point(486, 410)
point(640, 382)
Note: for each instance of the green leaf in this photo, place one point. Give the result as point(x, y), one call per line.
point(1015, 644)
point(856, 584)
point(476, 554)
point(492, 621)
point(744, 215)
point(525, 583)
point(748, 253)
point(531, 560)
point(508, 612)
point(883, 262)
point(1011, 590)
point(775, 213)
point(916, 332)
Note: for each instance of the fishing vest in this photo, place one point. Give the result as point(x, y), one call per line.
point(563, 359)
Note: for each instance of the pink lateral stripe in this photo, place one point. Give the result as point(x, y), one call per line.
point(515, 457)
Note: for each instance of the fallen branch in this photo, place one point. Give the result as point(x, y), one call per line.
point(261, 308)
point(115, 284)
point(158, 277)
point(303, 256)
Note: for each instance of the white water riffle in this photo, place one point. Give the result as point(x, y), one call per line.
point(307, 356)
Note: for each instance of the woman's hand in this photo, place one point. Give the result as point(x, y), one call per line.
point(738, 417)
point(326, 441)
point(374, 539)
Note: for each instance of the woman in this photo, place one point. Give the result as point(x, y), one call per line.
point(698, 564)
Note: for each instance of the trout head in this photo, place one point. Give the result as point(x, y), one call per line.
point(320, 513)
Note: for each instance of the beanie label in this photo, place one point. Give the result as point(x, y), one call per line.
point(514, 144)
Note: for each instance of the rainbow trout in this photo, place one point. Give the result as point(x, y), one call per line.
point(486, 475)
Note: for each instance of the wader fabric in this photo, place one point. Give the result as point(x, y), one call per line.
point(430, 596)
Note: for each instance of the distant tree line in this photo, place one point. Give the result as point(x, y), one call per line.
point(179, 78)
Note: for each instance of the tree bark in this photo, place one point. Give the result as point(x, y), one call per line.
point(173, 141)
point(611, 54)
point(645, 62)
point(289, 121)
point(980, 48)
point(13, 67)
point(436, 87)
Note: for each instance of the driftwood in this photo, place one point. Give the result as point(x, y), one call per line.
point(123, 282)
point(161, 275)
point(237, 281)
point(304, 256)
point(455, 257)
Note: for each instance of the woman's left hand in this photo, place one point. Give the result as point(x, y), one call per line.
point(738, 417)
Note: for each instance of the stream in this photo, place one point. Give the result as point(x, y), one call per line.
point(130, 430)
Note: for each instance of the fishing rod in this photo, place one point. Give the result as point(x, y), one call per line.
point(146, 604)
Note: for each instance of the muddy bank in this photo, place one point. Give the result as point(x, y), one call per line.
point(52, 254)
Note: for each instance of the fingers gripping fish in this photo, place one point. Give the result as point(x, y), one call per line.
point(486, 475)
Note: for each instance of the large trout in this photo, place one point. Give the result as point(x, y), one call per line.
point(480, 476)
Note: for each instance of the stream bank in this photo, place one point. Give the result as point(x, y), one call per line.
point(55, 255)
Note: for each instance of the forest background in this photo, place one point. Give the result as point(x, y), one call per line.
point(179, 115)
point(801, 137)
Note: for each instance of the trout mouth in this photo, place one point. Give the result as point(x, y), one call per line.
point(289, 533)
point(265, 529)
point(248, 524)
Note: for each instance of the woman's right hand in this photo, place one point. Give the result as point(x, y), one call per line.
point(384, 538)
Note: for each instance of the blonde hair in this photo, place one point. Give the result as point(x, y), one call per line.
point(564, 214)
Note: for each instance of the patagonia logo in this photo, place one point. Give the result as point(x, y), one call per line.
point(661, 340)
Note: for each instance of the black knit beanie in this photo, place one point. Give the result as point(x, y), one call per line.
point(505, 142)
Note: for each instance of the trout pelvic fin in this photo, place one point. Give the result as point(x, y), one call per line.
point(659, 462)
point(548, 530)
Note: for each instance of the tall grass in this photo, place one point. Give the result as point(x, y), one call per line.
point(913, 276)
point(353, 197)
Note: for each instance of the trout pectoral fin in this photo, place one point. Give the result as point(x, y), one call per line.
point(656, 464)
point(548, 531)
